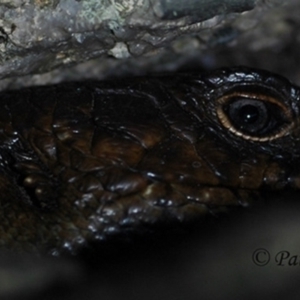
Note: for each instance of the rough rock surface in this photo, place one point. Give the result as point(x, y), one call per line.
point(40, 36)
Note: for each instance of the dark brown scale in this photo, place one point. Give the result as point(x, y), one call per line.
point(82, 161)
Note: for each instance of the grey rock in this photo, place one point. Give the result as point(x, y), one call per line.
point(40, 36)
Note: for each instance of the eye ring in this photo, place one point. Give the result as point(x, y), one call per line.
point(260, 107)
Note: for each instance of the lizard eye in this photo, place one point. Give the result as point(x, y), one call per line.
point(254, 116)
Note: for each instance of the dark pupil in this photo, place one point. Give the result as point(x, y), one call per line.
point(249, 114)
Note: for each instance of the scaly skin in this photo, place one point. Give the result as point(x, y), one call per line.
point(83, 161)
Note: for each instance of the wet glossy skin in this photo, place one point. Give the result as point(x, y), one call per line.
point(83, 161)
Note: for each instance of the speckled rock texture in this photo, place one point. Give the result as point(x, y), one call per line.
point(40, 36)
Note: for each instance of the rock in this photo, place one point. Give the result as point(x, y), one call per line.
point(141, 35)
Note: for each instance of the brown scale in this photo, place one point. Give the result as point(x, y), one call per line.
point(84, 161)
